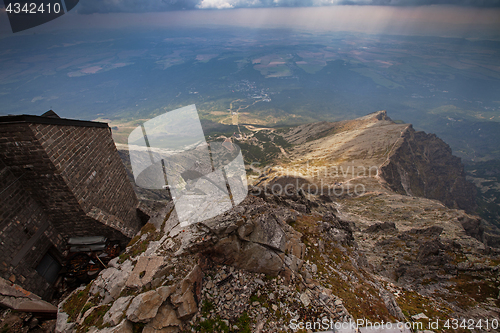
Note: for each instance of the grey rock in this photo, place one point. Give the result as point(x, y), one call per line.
point(125, 326)
point(185, 304)
point(419, 316)
point(112, 280)
point(304, 298)
point(62, 324)
point(164, 292)
point(249, 256)
point(472, 227)
point(268, 232)
point(144, 271)
point(116, 312)
point(245, 230)
point(169, 329)
point(225, 224)
point(183, 298)
point(165, 317)
point(385, 227)
point(144, 306)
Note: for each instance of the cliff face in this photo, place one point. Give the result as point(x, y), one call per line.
point(409, 162)
point(423, 165)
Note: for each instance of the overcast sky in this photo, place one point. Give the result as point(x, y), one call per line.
point(134, 6)
point(470, 19)
point(137, 6)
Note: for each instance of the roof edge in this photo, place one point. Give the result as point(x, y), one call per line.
point(25, 118)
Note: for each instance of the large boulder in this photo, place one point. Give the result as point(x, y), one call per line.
point(187, 294)
point(382, 227)
point(472, 227)
point(432, 253)
point(116, 313)
point(144, 271)
point(166, 317)
point(111, 281)
point(185, 304)
point(246, 255)
point(267, 231)
point(144, 307)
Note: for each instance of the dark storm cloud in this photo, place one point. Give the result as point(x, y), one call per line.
point(134, 6)
point(470, 3)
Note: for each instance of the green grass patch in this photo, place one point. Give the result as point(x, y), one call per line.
point(474, 290)
point(244, 323)
point(206, 307)
point(136, 246)
point(412, 303)
point(76, 303)
point(212, 325)
point(95, 318)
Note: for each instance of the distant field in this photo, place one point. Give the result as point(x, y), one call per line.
point(271, 78)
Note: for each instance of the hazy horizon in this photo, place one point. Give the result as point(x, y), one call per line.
point(434, 20)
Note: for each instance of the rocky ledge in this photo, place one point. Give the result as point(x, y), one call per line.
point(234, 271)
point(278, 259)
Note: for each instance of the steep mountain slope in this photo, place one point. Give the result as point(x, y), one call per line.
point(395, 156)
point(423, 165)
point(278, 260)
point(314, 242)
point(433, 251)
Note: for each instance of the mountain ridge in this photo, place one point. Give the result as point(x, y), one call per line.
point(407, 161)
point(290, 253)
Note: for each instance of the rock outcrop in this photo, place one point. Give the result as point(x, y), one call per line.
point(373, 151)
point(296, 255)
point(144, 307)
point(166, 287)
point(423, 165)
point(263, 264)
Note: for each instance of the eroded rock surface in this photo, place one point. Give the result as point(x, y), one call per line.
point(264, 263)
point(163, 287)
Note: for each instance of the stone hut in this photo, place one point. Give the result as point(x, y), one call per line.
point(59, 178)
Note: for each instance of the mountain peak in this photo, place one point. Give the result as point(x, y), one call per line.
point(381, 155)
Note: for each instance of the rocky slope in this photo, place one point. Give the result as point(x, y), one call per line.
point(395, 155)
point(276, 258)
point(284, 257)
point(249, 265)
point(435, 252)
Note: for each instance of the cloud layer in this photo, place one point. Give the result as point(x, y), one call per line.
point(135, 6)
